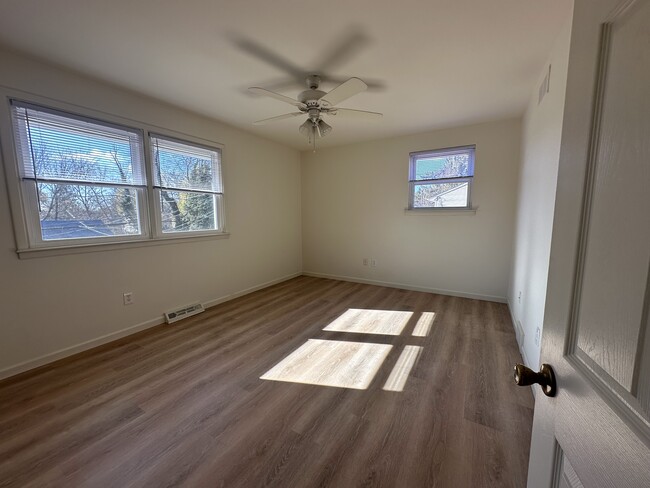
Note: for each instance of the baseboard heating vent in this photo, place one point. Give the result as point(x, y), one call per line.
point(181, 313)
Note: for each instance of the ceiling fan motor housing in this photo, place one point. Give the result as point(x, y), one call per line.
point(311, 96)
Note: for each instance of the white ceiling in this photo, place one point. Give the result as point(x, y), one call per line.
point(442, 62)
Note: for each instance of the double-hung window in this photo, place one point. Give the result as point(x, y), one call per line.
point(81, 179)
point(187, 182)
point(88, 181)
point(441, 178)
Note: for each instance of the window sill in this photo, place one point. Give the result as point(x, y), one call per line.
point(42, 252)
point(440, 211)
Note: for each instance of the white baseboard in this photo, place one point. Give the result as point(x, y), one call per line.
point(232, 296)
point(404, 286)
point(113, 336)
point(83, 346)
point(522, 351)
point(520, 334)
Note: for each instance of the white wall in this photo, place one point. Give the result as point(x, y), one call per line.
point(353, 201)
point(52, 304)
point(542, 129)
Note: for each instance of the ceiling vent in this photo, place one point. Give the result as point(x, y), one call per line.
point(181, 313)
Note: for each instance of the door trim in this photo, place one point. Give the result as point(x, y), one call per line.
point(625, 404)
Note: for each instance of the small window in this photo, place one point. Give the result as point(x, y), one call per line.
point(187, 183)
point(441, 178)
point(82, 179)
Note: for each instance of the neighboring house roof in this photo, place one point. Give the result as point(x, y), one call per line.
point(461, 189)
point(454, 197)
point(72, 229)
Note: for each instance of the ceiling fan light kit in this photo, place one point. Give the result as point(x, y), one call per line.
point(315, 103)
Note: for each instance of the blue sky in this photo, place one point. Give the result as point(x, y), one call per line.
point(427, 166)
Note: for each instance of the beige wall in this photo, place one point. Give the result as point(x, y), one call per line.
point(542, 130)
point(52, 306)
point(353, 201)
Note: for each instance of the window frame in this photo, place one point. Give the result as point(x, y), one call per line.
point(155, 199)
point(23, 200)
point(30, 192)
point(413, 182)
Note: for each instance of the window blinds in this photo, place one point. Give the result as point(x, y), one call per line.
point(183, 166)
point(55, 146)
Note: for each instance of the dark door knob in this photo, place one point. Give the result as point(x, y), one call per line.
point(545, 378)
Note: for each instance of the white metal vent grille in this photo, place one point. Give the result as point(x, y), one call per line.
point(181, 313)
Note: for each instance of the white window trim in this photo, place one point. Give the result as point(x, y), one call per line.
point(441, 211)
point(30, 193)
point(34, 227)
point(19, 197)
point(155, 202)
point(414, 156)
point(98, 246)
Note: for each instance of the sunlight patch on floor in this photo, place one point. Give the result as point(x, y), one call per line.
point(382, 322)
point(340, 364)
point(423, 327)
point(400, 373)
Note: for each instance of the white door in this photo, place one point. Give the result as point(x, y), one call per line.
point(596, 432)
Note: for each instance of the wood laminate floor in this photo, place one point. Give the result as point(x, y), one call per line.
point(424, 398)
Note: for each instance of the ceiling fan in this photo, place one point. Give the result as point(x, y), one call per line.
point(349, 43)
point(315, 103)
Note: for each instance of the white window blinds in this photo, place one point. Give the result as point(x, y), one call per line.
point(61, 147)
point(183, 166)
point(187, 180)
point(86, 177)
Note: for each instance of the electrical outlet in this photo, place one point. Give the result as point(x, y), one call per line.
point(128, 298)
point(365, 261)
point(373, 263)
point(538, 336)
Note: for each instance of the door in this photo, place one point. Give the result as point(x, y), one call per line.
point(596, 432)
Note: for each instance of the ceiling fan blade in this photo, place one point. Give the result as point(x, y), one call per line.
point(263, 53)
point(351, 42)
point(277, 96)
point(288, 83)
point(348, 112)
point(344, 91)
point(283, 84)
point(278, 117)
point(373, 83)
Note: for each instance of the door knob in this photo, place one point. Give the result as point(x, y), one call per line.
point(545, 378)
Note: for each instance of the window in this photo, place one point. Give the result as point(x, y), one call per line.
point(187, 179)
point(85, 181)
point(81, 179)
point(441, 178)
